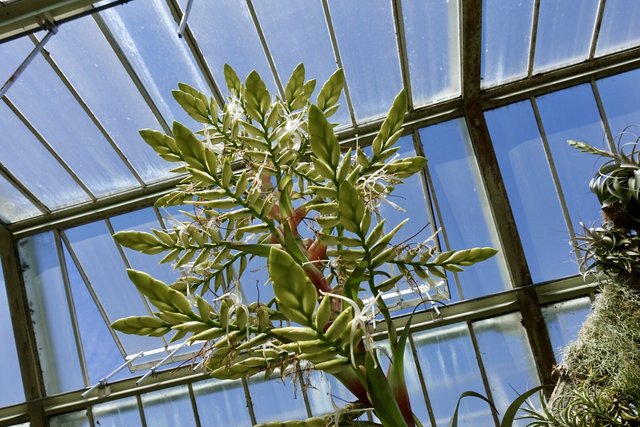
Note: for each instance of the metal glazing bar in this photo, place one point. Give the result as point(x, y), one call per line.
point(556, 179)
point(338, 58)
point(143, 418)
point(561, 78)
point(423, 385)
point(401, 41)
point(48, 147)
point(23, 66)
point(72, 307)
point(534, 36)
point(265, 48)
point(92, 211)
point(483, 372)
point(491, 176)
point(6, 174)
point(434, 209)
point(159, 217)
point(106, 31)
point(603, 115)
point(194, 405)
point(144, 197)
point(104, 380)
point(247, 396)
point(185, 17)
point(160, 363)
point(305, 397)
point(22, 327)
point(194, 47)
point(93, 294)
point(471, 310)
point(94, 119)
point(59, 22)
point(596, 29)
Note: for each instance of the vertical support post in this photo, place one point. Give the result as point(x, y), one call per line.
point(513, 251)
point(30, 369)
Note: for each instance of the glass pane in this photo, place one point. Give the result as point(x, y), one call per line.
point(11, 390)
point(564, 320)
point(221, 403)
point(73, 419)
point(21, 151)
point(621, 99)
point(99, 257)
point(50, 314)
point(118, 413)
point(564, 32)
point(168, 408)
point(450, 368)
point(79, 47)
point(20, 48)
point(226, 34)
point(55, 113)
point(463, 204)
point(276, 400)
point(147, 33)
point(573, 114)
point(506, 36)
point(534, 200)
point(297, 32)
point(144, 220)
point(507, 358)
point(367, 43)
point(100, 351)
point(619, 29)
point(433, 48)
point(15, 206)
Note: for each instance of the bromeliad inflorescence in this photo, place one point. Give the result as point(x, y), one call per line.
point(266, 179)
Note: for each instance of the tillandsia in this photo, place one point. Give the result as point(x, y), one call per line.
point(267, 180)
point(613, 249)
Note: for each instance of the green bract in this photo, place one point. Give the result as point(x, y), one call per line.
point(266, 178)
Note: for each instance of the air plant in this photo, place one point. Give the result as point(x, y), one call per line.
point(267, 179)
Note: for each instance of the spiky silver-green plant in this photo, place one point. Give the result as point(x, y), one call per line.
point(260, 168)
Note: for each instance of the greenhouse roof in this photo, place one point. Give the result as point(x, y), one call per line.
point(76, 91)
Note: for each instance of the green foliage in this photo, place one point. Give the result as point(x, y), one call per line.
point(618, 179)
point(600, 375)
point(260, 169)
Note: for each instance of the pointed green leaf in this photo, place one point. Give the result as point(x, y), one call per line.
point(324, 143)
point(330, 93)
point(381, 395)
point(296, 295)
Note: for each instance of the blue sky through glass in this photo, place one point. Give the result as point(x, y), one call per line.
point(533, 197)
point(564, 320)
point(619, 29)
point(506, 35)
point(147, 32)
point(52, 184)
point(564, 32)
point(507, 359)
point(109, 92)
point(50, 314)
point(573, 114)
point(369, 52)
point(463, 204)
point(449, 365)
point(296, 32)
point(433, 49)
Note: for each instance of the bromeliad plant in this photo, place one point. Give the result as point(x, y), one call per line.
point(267, 179)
